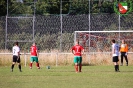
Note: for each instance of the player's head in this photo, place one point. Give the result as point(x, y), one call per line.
point(16, 43)
point(34, 44)
point(113, 41)
point(77, 42)
point(123, 41)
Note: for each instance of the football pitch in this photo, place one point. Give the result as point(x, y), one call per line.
point(65, 77)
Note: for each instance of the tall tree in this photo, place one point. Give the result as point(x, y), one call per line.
point(2, 7)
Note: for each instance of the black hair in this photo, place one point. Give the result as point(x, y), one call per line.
point(113, 41)
point(77, 41)
point(16, 43)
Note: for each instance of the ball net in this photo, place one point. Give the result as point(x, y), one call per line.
point(100, 41)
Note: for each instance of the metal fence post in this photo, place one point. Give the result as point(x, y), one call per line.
point(56, 59)
point(25, 57)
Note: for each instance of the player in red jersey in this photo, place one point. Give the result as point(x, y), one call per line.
point(34, 55)
point(77, 50)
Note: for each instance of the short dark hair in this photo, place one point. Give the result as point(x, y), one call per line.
point(113, 41)
point(16, 43)
point(77, 40)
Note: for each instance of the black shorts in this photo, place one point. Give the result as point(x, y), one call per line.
point(16, 59)
point(115, 59)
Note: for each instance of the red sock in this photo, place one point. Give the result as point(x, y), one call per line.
point(76, 68)
point(37, 64)
point(31, 65)
point(80, 67)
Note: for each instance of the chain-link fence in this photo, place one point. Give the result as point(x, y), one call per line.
point(49, 35)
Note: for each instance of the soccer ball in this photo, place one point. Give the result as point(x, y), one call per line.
point(48, 67)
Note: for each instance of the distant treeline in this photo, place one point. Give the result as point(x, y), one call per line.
point(45, 7)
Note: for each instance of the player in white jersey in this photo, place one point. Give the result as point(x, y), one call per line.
point(115, 55)
point(16, 56)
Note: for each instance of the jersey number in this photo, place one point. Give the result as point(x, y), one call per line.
point(32, 49)
point(77, 50)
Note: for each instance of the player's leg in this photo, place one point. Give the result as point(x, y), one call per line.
point(116, 59)
point(37, 63)
point(121, 59)
point(13, 62)
point(126, 59)
point(31, 62)
point(115, 66)
point(115, 63)
point(19, 65)
point(76, 67)
point(76, 63)
point(80, 64)
point(113, 60)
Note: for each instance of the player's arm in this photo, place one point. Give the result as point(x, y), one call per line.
point(37, 52)
point(73, 51)
point(126, 49)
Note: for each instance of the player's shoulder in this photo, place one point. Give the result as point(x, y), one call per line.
point(80, 45)
point(15, 47)
point(114, 44)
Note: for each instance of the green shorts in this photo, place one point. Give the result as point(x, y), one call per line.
point(77, 59)
point(32, 59)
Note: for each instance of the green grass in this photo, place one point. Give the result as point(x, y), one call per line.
point(65, 77)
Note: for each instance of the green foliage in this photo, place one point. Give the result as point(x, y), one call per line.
point(107, 7)
point(19, 8)
point(2, 7)
point(44, 7)
point(41, 8)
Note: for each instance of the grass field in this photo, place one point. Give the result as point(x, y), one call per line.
point(65, 77)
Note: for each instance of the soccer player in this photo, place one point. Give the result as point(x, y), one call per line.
point(115, 54)
point(77, 50)
point(34, 55)
point(16, 56)
point(124, 52)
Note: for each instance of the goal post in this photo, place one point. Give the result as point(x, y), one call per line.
point(100, 41)
point(97, 44)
